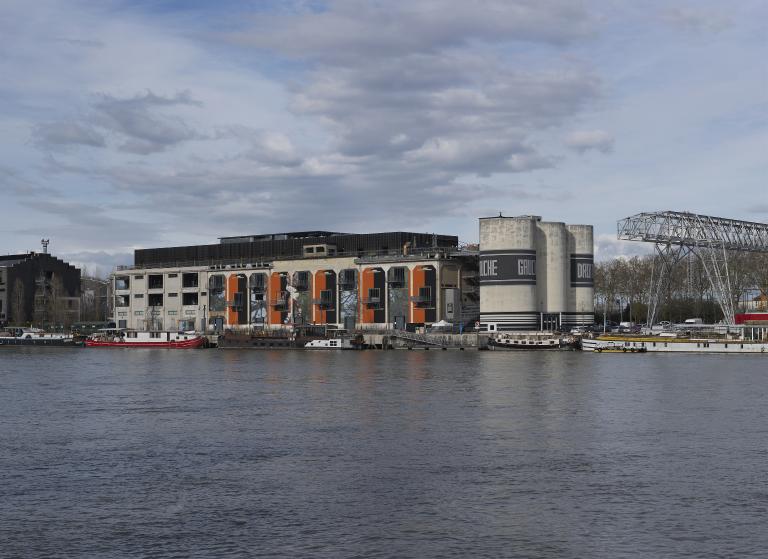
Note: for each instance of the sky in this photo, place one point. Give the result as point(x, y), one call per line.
point(128, 125)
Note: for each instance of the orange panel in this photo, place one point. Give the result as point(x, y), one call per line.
point(319, 314)
point(272, 293)
point(231, 290)
point(366, 283)
point(419, 279)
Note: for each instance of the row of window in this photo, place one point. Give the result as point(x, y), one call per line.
point(157, 299)
point(155, 281)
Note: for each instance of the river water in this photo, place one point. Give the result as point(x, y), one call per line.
point(208, 453)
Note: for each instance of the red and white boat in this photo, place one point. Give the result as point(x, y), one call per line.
point(136, 339)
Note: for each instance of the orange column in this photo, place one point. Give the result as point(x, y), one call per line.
point(366, 283)
point(230, 297)
point(318, 313)
point(272, 293)
point(419, 279)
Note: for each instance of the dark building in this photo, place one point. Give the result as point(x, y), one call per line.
point(255, 248)
point(38, 288)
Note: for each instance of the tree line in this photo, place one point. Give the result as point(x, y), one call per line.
point(622, 287)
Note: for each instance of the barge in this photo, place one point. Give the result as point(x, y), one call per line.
point(133, 339)
point(36, 338)
point(658, 344)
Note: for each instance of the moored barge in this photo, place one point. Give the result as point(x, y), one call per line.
point(36, 338)
point(135, 339)
point(659, 344)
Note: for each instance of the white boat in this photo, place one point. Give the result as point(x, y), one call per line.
point(672, 345)
point(34, 337)
point(333, 343)
point(528, 340)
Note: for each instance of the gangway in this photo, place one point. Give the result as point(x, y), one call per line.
point(436, 340)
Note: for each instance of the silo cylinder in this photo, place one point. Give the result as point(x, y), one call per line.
point(581, 292)
point(508, 273)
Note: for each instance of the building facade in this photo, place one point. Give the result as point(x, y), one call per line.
point(535, 275)
point(371, 281)
point(39, 289)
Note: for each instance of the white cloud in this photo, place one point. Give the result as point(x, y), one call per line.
point(608, 247)
point(693, 19)
point(367, 115)
point(585, 140)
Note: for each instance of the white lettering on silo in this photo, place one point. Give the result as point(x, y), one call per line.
point(526, 267)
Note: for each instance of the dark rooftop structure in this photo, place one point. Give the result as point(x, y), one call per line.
point(260, 248)
point(279, 236)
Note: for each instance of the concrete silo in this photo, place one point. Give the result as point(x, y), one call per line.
point(581, 292)
point(508, 273)
point(551, 274)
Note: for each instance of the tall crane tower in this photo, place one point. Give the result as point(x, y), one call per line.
point(679, 234)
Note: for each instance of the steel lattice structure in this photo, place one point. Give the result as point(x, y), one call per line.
point(677, 234)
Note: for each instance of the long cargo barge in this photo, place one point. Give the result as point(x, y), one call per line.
point(36, 338)
point(656, 344)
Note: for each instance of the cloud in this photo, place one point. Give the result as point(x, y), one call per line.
point(697, 20)
point(369, 114)
point(585, 140)
point(349, 29)
point(97, 263)
point(608, 247)
point(140, 120)
point(394, 115)
point(59, 135)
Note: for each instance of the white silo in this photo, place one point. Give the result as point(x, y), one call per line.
point(552, 275)
point(581, 291)
point(508, 273)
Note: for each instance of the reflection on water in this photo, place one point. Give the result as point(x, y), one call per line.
point(381, 454)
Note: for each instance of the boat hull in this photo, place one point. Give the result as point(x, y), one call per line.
point(523, 347)
point(173, 344)
point(672, 345)
point(69, 342)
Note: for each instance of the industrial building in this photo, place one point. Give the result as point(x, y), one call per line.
point(534, 274)
point(38, 288)
point(352, 281)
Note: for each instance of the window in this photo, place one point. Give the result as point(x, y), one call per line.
point(156, 300)
point(173, 313)
point(374, 297)
point(138, 313)
point(122, 282)
point(122, 301)
point(173, 295)
point(138, 295)
point(138, 277)
point(189, 299)
point(173, 276)
point(155, 281)
point(189, 280)
point(396, 277)
point(154, 334)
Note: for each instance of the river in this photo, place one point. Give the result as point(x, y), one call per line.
point(215, 453)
